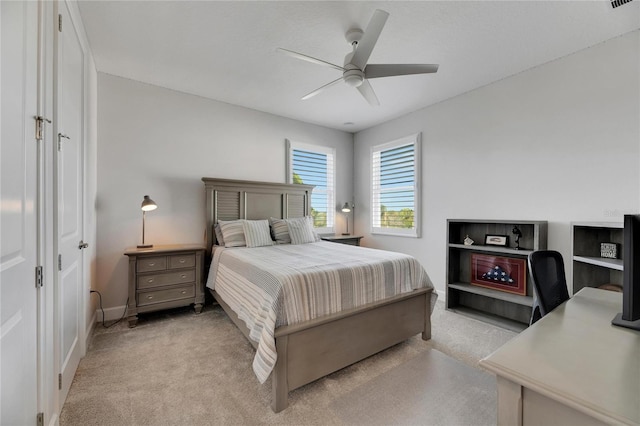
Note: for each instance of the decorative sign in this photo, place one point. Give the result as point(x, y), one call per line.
point(499, 273)
point(609, 250)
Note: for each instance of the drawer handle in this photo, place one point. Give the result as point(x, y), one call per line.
point(152, 263)
point(182, 260)
point(183, 276)
point(150, 280)
point(149, 297)
point(184, 292)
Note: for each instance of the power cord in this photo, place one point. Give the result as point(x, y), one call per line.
point(100, 303)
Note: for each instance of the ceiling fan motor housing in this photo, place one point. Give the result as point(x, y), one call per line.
point(353, 77)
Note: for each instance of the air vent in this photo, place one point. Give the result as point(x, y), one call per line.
point(616, 3)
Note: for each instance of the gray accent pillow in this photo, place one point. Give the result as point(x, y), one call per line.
point(233, 232)
point(256, 233)
point(218, 232)
point(280, 230)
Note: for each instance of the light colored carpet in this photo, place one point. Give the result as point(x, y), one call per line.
point(406, 395)
point(179, 368)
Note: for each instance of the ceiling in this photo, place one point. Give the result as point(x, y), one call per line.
point(227, 50)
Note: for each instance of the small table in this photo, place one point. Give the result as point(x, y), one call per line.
point(353, 240)
point(164, 276)
point(571, 367)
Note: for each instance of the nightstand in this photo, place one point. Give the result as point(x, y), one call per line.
point(164, 276)
point(352, 240)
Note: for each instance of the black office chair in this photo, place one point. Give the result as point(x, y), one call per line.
point(546, 269)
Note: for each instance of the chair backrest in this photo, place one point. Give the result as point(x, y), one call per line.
point(549, 281)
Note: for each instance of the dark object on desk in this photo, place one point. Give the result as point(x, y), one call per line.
point(630, 316)
point(549, 282)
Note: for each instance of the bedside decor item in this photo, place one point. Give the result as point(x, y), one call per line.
point(499, 273)
point(609, 250)
point(147, 205)
point(518, 233)
point(496, 240)
point(347, 209)
point(468, 241)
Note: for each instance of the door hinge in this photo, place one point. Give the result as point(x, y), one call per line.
point(60, 381)
point(38, 276)
point(59, 262)
point(40, 419)
point(59, 23)
point(40, 126)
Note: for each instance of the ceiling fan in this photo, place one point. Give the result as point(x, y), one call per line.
point(355, 71)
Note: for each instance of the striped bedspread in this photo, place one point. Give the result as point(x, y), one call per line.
point(287, 284)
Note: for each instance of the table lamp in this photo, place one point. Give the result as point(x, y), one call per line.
point(147, 205)
point(346, 209)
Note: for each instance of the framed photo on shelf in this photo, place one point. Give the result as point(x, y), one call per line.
point(499, 273)
point(496, 240)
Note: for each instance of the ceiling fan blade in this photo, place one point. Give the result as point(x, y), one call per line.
point(309, 59)
point(367, 91)
point(390, 70)
point(369, 39)
point(315, 92)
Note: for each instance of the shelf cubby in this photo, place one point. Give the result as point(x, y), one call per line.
point(509, 310)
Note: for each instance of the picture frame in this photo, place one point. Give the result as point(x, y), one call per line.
point(496, 240)
point(499, 273)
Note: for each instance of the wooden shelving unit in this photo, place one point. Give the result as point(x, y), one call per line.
point(589, 269)
point(508, 310)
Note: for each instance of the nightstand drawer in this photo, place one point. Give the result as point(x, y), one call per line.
point(159, 296)
point(149, 264)
point(166, 278)
point(182, 261)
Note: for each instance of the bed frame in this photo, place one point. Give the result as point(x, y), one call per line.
point(316, 348)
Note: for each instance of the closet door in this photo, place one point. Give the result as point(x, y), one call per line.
point(68, 182)
point(18, 223)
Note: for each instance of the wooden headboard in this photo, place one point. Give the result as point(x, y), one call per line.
point(228, 199)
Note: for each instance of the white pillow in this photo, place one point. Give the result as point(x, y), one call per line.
point(233, 233)
point(256, 233)
point(301, 230)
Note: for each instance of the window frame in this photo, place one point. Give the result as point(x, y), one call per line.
point(331, 187)
point(415, 232)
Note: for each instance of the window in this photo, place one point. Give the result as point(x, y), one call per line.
point(395, 172)
point(314, 165)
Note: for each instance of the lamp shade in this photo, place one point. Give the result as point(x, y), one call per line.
point(148, 204)
point(346, 208)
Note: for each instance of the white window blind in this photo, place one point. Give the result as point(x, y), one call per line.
point(395, 173)
point(315, 165)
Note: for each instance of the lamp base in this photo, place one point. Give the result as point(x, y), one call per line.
point(346, 233)
point(145, 245)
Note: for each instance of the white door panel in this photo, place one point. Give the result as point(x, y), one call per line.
point(69, 178)
point(18, 194)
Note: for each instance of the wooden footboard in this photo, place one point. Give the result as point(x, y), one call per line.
point(316, 348)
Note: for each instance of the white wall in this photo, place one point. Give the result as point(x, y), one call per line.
point(158, 142)
point(560, 142)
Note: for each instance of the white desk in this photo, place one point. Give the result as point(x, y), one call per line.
point(571, 367)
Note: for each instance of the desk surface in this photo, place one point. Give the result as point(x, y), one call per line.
point(574, 355)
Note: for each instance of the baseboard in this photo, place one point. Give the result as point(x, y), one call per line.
point(110, 314)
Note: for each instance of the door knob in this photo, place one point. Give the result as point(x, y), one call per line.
point(82, 245)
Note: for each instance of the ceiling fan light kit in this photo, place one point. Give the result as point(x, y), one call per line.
point(356, 71)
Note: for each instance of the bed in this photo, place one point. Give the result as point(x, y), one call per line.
point(292, 348)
